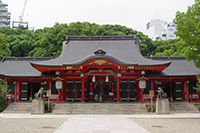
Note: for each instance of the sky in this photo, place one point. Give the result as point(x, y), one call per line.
point(134, 14)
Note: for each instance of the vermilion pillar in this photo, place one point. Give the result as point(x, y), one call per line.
point(48, 85)
point(187, 91)
point(183, 91)
point(64, 91)
point(112, 88)
point(118, 90)
point(83, 89)
point(20, 88)
point(138, 91)
point(154, 87)
point(15, 99)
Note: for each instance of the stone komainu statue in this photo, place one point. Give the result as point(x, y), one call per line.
point(38, 95)
point(161, 93)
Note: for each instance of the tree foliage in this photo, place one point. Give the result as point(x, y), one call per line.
point(175, 47)
point(47, 42)
point(4, 46)
point(188, 29)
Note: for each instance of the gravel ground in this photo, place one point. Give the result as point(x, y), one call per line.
point(169, 125)
point(8, 125)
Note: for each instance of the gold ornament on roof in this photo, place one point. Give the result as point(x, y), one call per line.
point(130, 67)
point(100, 62)
point(69, 67)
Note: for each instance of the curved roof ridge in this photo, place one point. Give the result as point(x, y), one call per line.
point(106, 57)
point(123, 48)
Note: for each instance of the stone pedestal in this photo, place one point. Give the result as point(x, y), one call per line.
point(37, 106)
point(162, 106)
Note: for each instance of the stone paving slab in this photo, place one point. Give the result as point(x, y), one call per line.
point(100, 124)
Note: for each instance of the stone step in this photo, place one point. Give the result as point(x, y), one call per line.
point(100, 108)
point(18, 108)
point(183, 107)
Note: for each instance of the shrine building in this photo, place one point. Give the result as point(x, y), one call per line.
point(100, 69)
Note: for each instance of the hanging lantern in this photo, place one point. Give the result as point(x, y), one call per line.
point(93, 79)
point(107, 79)
point(58, 84)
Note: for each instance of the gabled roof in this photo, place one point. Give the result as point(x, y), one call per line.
point(122, 50)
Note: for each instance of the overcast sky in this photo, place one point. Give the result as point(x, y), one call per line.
point(131, 13)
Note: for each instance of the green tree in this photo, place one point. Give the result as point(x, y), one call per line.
point(175, 47)
point(47, 42)
point(3, 92)
point(4, 46)
point(21, 41)
point(188, 29)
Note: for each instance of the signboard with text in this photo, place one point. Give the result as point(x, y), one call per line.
point(151, 93)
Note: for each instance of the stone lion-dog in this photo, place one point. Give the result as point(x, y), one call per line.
point(38, 95)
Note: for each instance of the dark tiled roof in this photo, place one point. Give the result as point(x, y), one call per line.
point(123, 50)
point(179, 67)
point(20, 67)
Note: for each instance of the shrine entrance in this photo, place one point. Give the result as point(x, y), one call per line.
point(101, 89)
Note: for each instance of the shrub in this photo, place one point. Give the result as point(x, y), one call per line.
point(50, 106)
point(3, 92)
point(149, 108)
point(198, 107)
point(3, 104)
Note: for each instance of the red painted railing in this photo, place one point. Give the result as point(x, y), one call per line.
point(194, 97)
point(10, 98)
point(53, 98)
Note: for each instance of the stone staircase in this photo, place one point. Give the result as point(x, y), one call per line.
point(18, 107)
point(100, 108)
point(182, 107)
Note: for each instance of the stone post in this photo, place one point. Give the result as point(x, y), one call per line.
point(37, 106)
point(162, 106)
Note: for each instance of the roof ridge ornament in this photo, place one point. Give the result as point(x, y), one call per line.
point(99, 52)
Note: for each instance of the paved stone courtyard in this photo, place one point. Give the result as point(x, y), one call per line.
point(170, 125)
point(29, 125)
point(22, 123)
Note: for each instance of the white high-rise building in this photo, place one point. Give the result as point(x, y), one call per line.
point(160, 30)
point(4, 15)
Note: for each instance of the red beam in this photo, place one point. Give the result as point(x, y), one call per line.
point(71, 74)
point(131, 73)
point(72, 78)
point(128, 77)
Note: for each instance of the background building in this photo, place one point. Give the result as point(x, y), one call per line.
point(4, 15)
point(160, 30)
